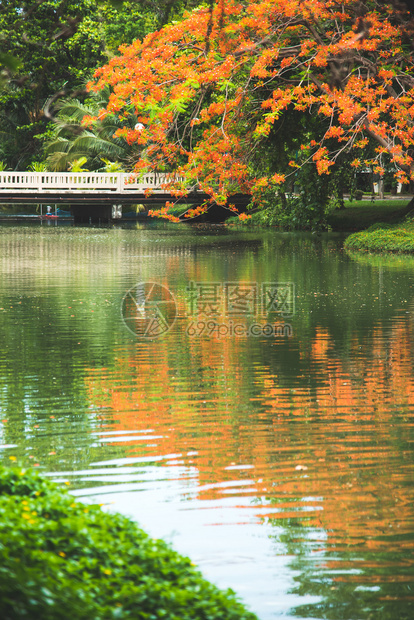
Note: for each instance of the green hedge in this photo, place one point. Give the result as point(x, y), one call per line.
point(63, 559)
point(383, 238)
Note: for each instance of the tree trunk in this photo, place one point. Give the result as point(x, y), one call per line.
point(381, 189)
point(410, 207)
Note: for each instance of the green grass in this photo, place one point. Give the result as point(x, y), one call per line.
point(383, 238)
point(361, 214)
point(61, 558)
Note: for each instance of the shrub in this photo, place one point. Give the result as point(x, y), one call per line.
point(60, 559)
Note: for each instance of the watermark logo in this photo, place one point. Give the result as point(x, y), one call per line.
point(221, 329)
point(148, 310)
point(241, 298)
point(218, 309)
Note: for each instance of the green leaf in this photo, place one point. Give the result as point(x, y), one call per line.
point(9, 61)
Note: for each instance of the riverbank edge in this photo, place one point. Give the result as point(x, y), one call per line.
point(59, 555)
point(383, 238)
point(395, 235)
point(391, 229)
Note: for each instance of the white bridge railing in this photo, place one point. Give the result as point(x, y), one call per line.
point(69, 182)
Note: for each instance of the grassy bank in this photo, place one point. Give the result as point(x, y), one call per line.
point(62, 559)
point(383, 238)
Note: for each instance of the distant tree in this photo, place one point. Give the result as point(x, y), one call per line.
point(49, 49)
point(57, 44)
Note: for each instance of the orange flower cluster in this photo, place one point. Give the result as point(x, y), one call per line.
point(212, 87)
point(191, 213)
point(243, 217)
point(163, 214)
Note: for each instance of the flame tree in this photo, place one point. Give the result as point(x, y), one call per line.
point(222, 93)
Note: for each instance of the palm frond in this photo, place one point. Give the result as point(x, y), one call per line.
point(59, 145)
point(98, 147)
point(71, 140)
point(60, 161)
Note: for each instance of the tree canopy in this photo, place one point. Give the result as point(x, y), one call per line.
point(216, 93)
point(55, 46)
point(50, 48)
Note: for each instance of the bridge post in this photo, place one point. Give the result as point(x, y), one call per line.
point(116, 212)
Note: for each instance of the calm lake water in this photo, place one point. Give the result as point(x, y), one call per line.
point(248, 396)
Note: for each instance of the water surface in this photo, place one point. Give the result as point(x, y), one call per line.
point(280, 461)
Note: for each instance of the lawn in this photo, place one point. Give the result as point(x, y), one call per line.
point(361, 214)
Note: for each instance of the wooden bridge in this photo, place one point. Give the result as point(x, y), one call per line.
point(92, 195)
